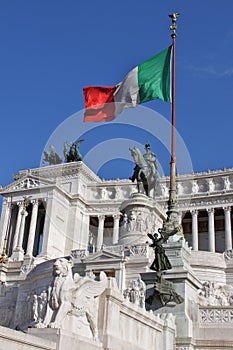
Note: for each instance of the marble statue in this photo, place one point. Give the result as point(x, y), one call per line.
point(69, 301)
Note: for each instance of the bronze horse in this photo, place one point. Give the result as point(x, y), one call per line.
point(143, 172)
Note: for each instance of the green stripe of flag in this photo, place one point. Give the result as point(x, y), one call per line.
point(154, 77)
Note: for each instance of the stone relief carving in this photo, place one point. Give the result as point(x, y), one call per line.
point(140, 250)
point(215, 294)
point(179, 188)
point(79, 254)
point(195, 187)
point(228, 254)
point(70, 302)
point(118, 193)
point(27, 183)
point(210, 185)
point(39, 303)
point(226, 183)
point(137, 221)
point(164, 190)
point(104, 193)
point(136, 292)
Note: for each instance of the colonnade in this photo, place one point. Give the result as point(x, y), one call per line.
point(211, 228)
point(15, 236)
point(100, 230)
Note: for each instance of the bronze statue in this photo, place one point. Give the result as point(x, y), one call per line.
point(72, 154)
point(52, 157)
point(161, 262)
point(145, 170)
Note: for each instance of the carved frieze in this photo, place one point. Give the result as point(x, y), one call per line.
point(26, 184)
point(138, 221)
point(215, 294)
point(79, 254)
point(139, 250)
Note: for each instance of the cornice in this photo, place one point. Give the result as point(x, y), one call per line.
point(61, 171)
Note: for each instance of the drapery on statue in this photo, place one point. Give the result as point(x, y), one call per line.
point(52, 157)
point(161, 262)
point(145, 170)
point(72, 154)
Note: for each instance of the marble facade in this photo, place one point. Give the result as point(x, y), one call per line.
point(101, 226)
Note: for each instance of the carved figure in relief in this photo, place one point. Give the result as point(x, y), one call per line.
point(135, 292)
point(164, 190)
point(74, 296)
point(195, 187)
point(104, 193)
point(215, 294)
point(39, 305)
point(117, 193)
point(142, 292)
point(132, 221)
point(226, 183)
point(125, 223)
point(210, 185)
point(140, 222)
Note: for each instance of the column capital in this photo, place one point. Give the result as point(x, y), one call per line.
point(101, 217)
point(210, 210)
point(194, 212)
point(226, 208)
point(35, 201)
point(116, 216)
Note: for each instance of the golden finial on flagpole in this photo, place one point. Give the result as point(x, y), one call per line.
point(173, 27)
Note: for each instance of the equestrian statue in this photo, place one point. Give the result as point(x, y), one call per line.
point(145, 170)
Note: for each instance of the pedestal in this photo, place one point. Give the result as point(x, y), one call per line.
point(141, 215)
point(185, 284)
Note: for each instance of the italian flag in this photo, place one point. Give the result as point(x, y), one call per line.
point(148, 81)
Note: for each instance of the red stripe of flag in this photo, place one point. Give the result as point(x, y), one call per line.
point(99, 103)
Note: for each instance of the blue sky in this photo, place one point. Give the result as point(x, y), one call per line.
point(51, 49)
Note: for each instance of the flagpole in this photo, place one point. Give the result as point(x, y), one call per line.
point(172, 196)
point(171, 225)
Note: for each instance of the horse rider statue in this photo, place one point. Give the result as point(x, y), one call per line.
point(145, 170)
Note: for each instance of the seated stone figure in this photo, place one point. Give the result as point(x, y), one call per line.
point(71, 302)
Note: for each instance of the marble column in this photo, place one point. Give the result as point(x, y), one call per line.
point(18, 222)
point(24, 214)
point(228, 237)
point(100, 234)
point(194, 229)
point(32, 229)
point(211, 230)
point(115, 237)
point(6, 221)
